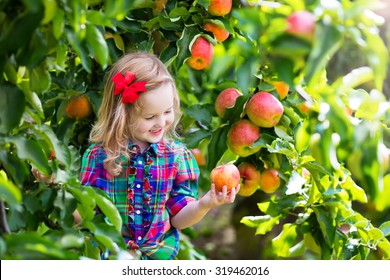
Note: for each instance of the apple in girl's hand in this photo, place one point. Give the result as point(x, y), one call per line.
point(225, 175)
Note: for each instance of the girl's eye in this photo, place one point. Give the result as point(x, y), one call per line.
point(149, 118)
point(168, 112)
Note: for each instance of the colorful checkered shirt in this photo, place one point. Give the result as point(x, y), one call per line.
point(154, 186)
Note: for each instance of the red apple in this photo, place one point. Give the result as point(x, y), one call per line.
point(264, 109)
point(241, 137)
point(219, 32)
point(225, 175)
point(250, 179)
point(301, 23)
point(220, 7)
point(269, 180)
point(226, 99)
point(202, 52)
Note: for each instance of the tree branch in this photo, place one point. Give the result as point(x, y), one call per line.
point(3, 218)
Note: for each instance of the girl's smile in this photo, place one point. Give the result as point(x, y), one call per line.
point(156, 116)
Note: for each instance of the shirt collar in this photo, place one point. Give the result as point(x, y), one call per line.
point(154, 148)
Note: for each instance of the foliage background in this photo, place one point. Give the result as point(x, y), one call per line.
point(54, 50)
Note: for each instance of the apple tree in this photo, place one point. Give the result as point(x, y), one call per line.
point(329, 147)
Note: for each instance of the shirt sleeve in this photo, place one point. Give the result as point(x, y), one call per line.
point(185, 184)
point(88, 172)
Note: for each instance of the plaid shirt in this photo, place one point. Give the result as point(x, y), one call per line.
point(154, 186)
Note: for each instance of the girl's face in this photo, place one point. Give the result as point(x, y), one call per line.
point(155, 117)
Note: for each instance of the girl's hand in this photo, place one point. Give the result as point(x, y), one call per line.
point(41, 177)
point(215, 198)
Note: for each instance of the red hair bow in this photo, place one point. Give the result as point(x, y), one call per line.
point(128, 88)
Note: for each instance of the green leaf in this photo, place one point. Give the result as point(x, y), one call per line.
point(69, 241)
point(8, 191)
point(375, 234)
point(180, 12)
point(98, 18)
point(108, 208)
point(61, 151)
point(283, 147)
point(58, 24)
point(12, 104)
point(327, 41)
point(29, 150)
point(245, 78)
point(233, 114)
point(378, 57)
point(290, 47)
point(168, 54)
point(384, 245)
point(30, 245)
point(86, 202)
point(283, 243)
point(356, 192)
point(15, 167)
point(40, 79)
point(382, 202)
point(98, 44)
point(217, 146)
point(167, 23)
point(183, 44)
point(19, 32)
point(193, 139)
point(201, 113)
point(327, 224)
point(80, 49)
point(263, 224)
point(357, 77)
point(35, 52)
point(385, 228)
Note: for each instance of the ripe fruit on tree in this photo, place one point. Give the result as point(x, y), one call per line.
point(305, 107)
point(241, 137)
point(160, 5)
point(225, 175)
point(250, 179)
point(219, 32)
point(281, 88)
point(202, 52)
point(78, 108)
point(269, 180)
point(199, 157)
point(220, 7)
point(264, 109)
point(301, 23)
point(226, 99)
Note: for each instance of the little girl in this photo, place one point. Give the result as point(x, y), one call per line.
point(135, 158)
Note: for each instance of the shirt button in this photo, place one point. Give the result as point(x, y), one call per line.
point(140, 162)
point(139, 238)
point(138, 212)
point(138, 185)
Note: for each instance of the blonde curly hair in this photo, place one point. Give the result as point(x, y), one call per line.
point(115, 123)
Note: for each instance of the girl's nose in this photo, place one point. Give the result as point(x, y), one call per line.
point(161, 121)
